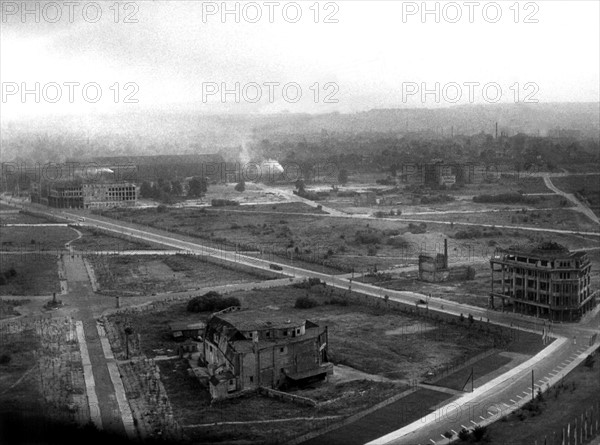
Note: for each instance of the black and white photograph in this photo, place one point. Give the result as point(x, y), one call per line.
point(311, 222)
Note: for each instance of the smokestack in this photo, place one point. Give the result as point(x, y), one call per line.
point(446, 253)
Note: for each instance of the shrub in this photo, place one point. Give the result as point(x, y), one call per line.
point(589, 362)
point(211, 301)
point(223, 202)
point(470, 273)
point(161, 208)
point(240, 186)
point(305, 303)
point(368, 237)
point(479, 433)
point(5, 359)
point(464, 434)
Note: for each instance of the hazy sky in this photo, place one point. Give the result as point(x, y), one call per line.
point(378, 54)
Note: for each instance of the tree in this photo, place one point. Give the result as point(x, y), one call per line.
point(299, 184)
point(343, 176)
point(146, 190)
point(176, 188)
point(198, 187)
point(240, 186)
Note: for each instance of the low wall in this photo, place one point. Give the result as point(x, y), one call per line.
point(286, 396)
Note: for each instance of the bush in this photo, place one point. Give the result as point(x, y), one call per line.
point(240, 186)
point(479, 433)
point(417, 229)
point(305, 303)
point(368, 237)
point(470, 273)
point(161, 208)
point(464, 435)
point(5, 359)
point(223, 203)
point(211, 301)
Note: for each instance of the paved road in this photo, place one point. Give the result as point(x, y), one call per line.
point(82, 298)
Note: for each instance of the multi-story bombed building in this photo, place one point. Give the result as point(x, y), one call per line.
point(246, 349)
point(545, 281)
point(92, 196)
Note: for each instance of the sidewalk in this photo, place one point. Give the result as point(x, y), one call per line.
point(102, 397)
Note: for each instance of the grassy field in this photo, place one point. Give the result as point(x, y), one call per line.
point(36, 274)
point(194, 411)
point(474, 292)
point(25, 397)
point(564, 219)
point(41, 376)
point(343, 244)
point(35, 238)
point(21, 218)
point(574, 396)
point(586, 186)
point(7, 307)
point(171, 273)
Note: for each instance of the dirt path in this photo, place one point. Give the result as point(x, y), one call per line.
point(579, 206)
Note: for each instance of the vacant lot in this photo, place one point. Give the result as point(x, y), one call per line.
point(568, 401)
point(172, 273)
point(473, 292)
point(34, 274)
point(7, 307)
point(22, 218)
point(564, 219)
point(35, 238)
point(41, 373)
point(587, 186)
point(392, 346)
point(197, 415)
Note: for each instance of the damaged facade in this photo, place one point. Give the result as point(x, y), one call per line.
point(434, 268)
point(546, 282)
point(246, 349)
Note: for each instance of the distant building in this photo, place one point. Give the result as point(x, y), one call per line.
point(249, 349)
point(546, 281)
point(90, 196)
point(154, 167)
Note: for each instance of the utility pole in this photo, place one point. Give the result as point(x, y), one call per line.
point(532, 387)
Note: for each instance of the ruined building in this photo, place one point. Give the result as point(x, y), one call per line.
point(247, 349)
point(545, 281)
point(434, 268)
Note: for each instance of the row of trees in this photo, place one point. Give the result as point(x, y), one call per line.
point(169, 191)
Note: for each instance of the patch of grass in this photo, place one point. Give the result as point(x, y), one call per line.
point(572, 397)
point(35, 274)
